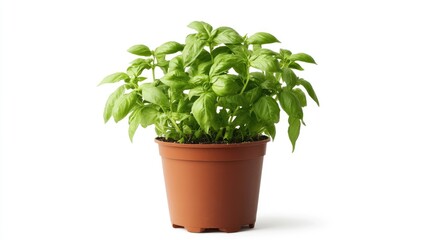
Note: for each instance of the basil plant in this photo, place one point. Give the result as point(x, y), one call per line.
point(217, 87)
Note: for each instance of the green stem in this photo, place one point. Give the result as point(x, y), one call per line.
point(211, 50)
point(153, 66)
point(176, 127)
point(247, 79)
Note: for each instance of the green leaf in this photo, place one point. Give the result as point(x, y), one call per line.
point(176, 79)
point(192, 49)
point(301, 96)
point(258, 77)
point(227, 35)
point(204, 68)
point(225, 85)
point(262, 38)
point(146, 63)
point(284, 53)
point(123, 105)
point(140, 50)
point(264, 51)
point(242, 118)
point(110, 103)
point(115, 77)
point(169, 48)
point(201, 27)
point(265, 63)
point(240, 51)
point(256, 47)
point(232, 102)
point(149, 116)
point(270, 84)
point(289, 77)
point(154, 95)
point(197, 91)
point(176, 116)
point(309, 89)
point(267, 110)
point(303, 57)
point(296, 66)
point(176, 64)
point(290, 103)
point(133, 122)
point(223, 62)
point(135, 70)
point(199, 79)
point(221, 49)
point(253, 94)
point(293, 130)
point(270, 129)
point(256, 127)
point(204, 111)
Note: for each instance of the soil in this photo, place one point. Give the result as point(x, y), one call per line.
point(209, 141)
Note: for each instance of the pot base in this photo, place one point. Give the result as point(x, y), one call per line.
point(223, 229)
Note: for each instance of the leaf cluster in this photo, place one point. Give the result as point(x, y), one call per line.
point(219, 86)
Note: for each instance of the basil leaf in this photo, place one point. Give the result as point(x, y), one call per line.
point(123, 105)
point(253, 94)
point(197, 91)
point(201, 27)
point(293, 130)
point(154, 95)
point(290, 103)
point(270, 129)
point(303, 57)
point(110, 103)
point(149, 116)
point(204, 68)
point(204, 111)
point(262, 38)
point(232, 102)
point(176, 64)
point(115, 77)
point(140, 50)
point(296, 66)
point(289, 77)
point(242, 117)
point(264, 51)
point(222, 63)
point(265, 63)
point(199, 79)
point(219, 50)
point(301, 96)
point(225, 85)
point(284, 53)
point(134, 121)
point(176, 79)
point(267, 110)
point(169, 48)
point(309, 89)
point(176, 116)
point(192, 49)
point(227, 35)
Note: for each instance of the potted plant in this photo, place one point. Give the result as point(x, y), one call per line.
point(214, 101)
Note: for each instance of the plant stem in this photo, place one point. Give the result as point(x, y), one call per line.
point(247, 78)
point(153, 66)
point(211, 50)
point(176, 127)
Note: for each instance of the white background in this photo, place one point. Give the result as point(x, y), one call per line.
point(360, 170)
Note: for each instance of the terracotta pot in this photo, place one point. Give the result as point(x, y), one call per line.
point(212, 186)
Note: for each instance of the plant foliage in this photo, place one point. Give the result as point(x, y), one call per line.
point(219, 86)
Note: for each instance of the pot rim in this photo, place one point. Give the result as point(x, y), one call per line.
point(212, 145)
